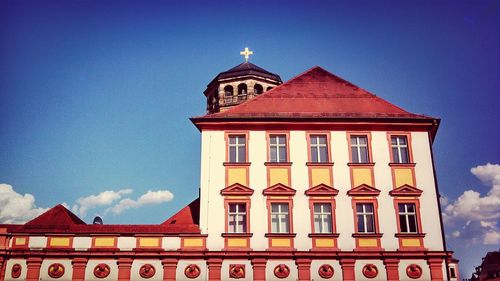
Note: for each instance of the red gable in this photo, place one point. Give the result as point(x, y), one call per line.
point(316, 93)
point(55, 217)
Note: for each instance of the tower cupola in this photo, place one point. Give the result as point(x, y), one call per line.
point(239, 84)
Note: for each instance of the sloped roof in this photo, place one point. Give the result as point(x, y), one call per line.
point(61, 220)
point(246, 68)
point(315, 93)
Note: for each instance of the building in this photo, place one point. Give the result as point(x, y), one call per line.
point(312, 179)
point(489, 270)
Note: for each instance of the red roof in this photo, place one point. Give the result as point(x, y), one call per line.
point(61, 220)
point(315, 93)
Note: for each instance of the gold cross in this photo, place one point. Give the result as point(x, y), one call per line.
point(246, 53)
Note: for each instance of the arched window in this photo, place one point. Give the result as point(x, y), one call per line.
point(228, 91)
point(257, 89)
point(268, 88)
point(242, 89)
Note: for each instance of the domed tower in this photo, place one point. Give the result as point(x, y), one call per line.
point(238, 84)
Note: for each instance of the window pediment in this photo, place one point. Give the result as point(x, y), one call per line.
point(237, 189)
point(406, 190)
point(363, 190)
point(322, 190)
point(279, 189)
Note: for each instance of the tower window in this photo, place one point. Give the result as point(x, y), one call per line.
point(257, 89)
point(242, 89)
point(228, 91)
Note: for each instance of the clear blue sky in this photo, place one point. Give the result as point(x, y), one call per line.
point(96, 95)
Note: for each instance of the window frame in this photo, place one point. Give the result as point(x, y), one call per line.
point(236, 214)
point(330, 221)
point(407, 215)
point(286, 146)
point(418, 220)
point(230, 134)
point(365, 214)
point(368, 137)
point(408, 147)
point(279, 214)
point(327, 135)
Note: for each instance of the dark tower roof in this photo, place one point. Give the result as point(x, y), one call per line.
point(246, 68)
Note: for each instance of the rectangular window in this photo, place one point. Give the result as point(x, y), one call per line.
point(277, 148)
point(322, 218)
point(453, 274)
point(237, 149)
point(280, 218)
point(237, 218)
point(366, 218)
point(407, 218)
point(319, 149)
point(359, 149)
point(399, 145)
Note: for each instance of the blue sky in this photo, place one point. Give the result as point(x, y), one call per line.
point(95, 96)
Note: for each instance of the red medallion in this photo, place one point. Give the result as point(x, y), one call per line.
point(16, 271)
point(102, 270)
point(281, 271)
point(237, 271)
point(414, 271)
point(147, 271)
point(192, 271)
point(326, 271)
point(370, 271)
point(56, 270)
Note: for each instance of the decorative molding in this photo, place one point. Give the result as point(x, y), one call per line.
point(281, 271)
point(326, 271)
point(237, 271)
point(192, 271)
point(102, 270)
point(363, 190)
point(16, 271)
point(56, 270)
point(370, 271)
point(147, 271)
point(279, 190)
point(414, 271)
point(321, 190)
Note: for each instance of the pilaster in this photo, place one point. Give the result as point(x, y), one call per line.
point(79, 266)
point(259, 269)
point(304, 267)
point(436, 268)
point(214, 269)
point(392, 269)
point(124, 266)
point(169, 269)
point(33, 272)
point(347, 266)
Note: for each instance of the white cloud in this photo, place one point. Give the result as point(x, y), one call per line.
point(150, 197)
point(108, 197)
point(477, 216)
point(15, 207)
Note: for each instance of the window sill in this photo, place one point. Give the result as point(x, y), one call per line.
point(283, 235)
point(352, 164)
point(323, 235)
point(367, 235)
point(286, 164)
point(232, 164)
point(409, 235)
point(227, 234)
point(392, 164)
point(319, 164)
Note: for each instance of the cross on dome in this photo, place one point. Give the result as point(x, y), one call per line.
point(246, 53)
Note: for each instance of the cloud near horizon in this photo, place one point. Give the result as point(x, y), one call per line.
point(16, 208)
point(150, 197)
point(473, 218)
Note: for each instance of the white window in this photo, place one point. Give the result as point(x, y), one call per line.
point(319, 149)
point(399, 145)
point(277, 148)
point(237, 149)
point(366, 219)
point(322, 218)
point(280, 218)
point(407, 218)
point(359, 149)
point(237, 218)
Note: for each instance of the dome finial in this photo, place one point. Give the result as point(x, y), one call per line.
point(246, 53)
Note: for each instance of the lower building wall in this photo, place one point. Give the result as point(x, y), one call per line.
point(199, 267)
